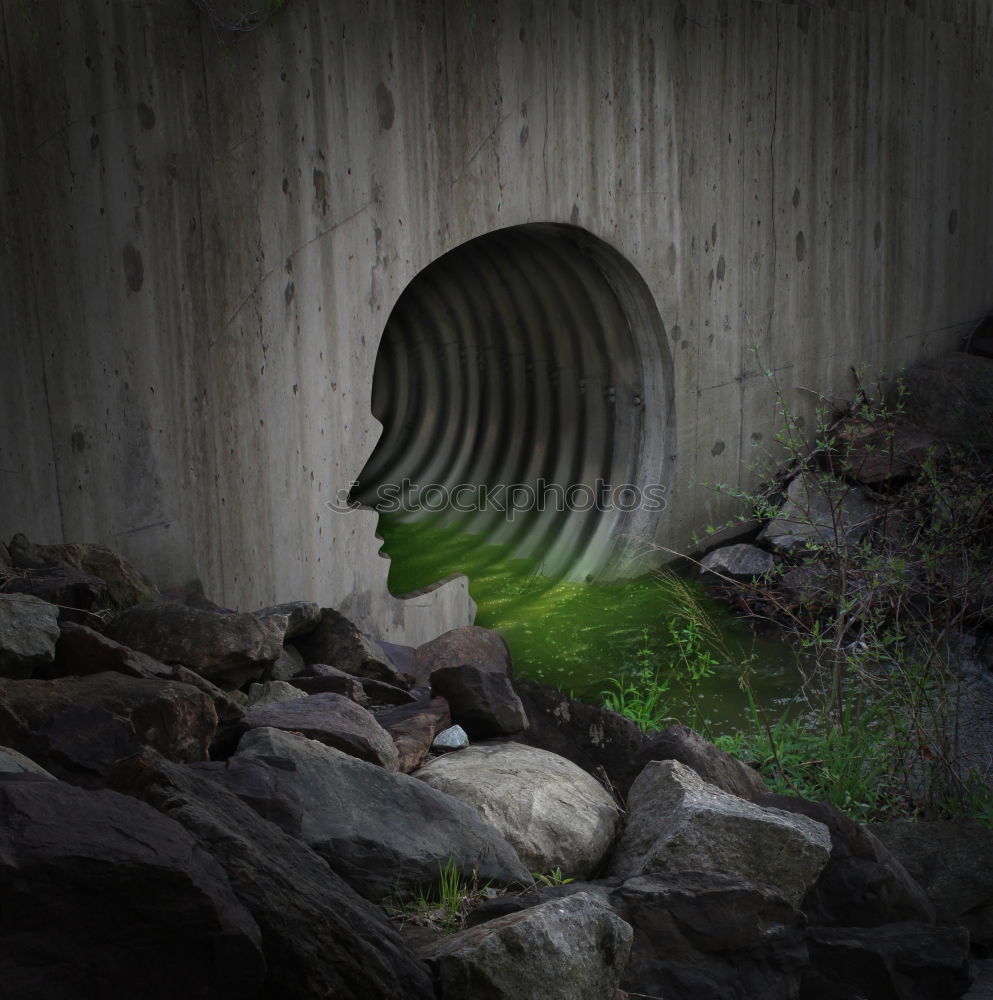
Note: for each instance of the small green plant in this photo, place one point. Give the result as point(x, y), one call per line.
point(447, 903)
point(552, 878)
point(641, 695)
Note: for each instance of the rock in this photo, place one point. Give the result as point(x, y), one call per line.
point(713, 766)
point(952, 397)
point(703, 934)
point(813, 585)
point(6, 563)
point(322, 679)
point(862, 885)
point(739, 562)
point(413, 728)
point(483, 702)
point(904, 961)
point(301, 616)
point(820, 511)
point(228, 649)
point(878, 452)
point(501, 906)
point(82, 650)
point(386, 834)
point(950, 862)
point(336, 641)
point(551, 811)
point(404, 658)
point(453, 738)
point(333, 720)
point(381, 693)
point(320, 938)
point(289, 664)
point(471, 644)
point(29, 630)
point(103, 897)
point(76, 594)
point(12, 762)
point(598, 740)
point(77, 726)
point(569, 949)
point(677, 822)
point(126, 586)
point(272, 693)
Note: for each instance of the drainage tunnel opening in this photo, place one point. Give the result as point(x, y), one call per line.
point(524, 387)
point(533, 358)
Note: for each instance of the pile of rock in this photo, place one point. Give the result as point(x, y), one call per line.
point(206, 802)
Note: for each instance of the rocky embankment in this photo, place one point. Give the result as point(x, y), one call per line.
point(197, 802)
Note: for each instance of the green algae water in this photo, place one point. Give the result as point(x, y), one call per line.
point(581, 637)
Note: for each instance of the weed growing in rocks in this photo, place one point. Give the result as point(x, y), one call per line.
point(445, 907)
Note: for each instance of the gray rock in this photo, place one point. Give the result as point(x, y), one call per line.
point(483, 702)
point(821, 511)
point(739, 562)
point(77, 726)
point(76, 594)
point(453, 738)
point(906, 961)
point(703, 934)
point(384, 833)
point(228, 649)
point(125, 585)
point(322, 679)
point(599, 741)
point(320, 938)
point(29, 629)
point(568, 949)
point(12, 762)
point(301, 616)
point(102, 896)
point(677, 822)
point(333, 720)
point(863, 884)
point(950, 860)
point(553, 812)
point(339, 643)
point(471, 644)
point(289, 664)
point(272, 693)
point(413, 728)
point(877, 452)
point(714, 766)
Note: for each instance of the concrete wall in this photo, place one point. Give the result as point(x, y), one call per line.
point(202, 241)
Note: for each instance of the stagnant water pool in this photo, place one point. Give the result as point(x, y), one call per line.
point(578, 637)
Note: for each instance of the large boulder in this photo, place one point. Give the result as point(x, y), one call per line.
point(228, 649)
point(321, 940)
point(339, 643)
point(598, 740)
point(553, 812)
point(906, 961)
point(320, 678)
point(77, 595)
point(950, 860)
point(703, 934)
point(78, 726)
point(568, 949)
point(272, 693)
point(386, 834)
point(301, 616)
point(819, 510)
point(103, 897)
point(863, 884)
point(470, 644)
point(414, 728)
point(714, 766)
point(331, 719)
point(125, 585)
point(482, 702)
point(29, 630)
point(12, 762)
point(678, 822)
